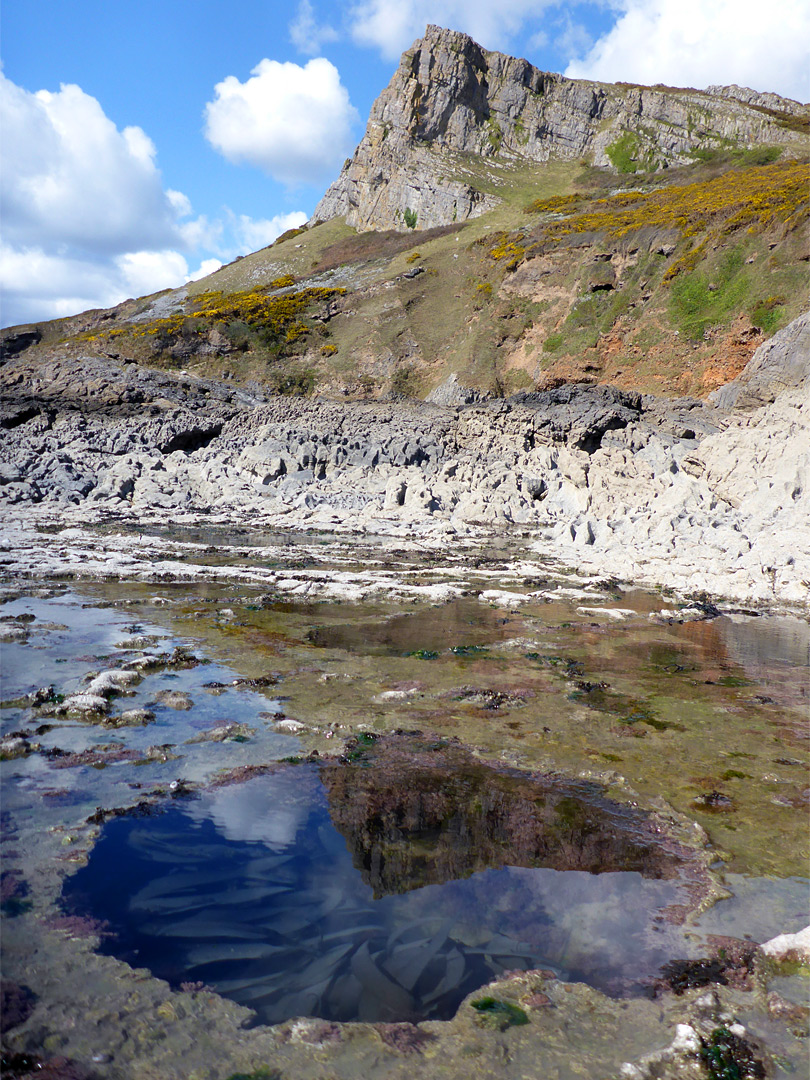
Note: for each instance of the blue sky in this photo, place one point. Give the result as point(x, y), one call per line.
point(145, 143)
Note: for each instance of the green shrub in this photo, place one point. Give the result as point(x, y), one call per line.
point(239, 334)
point(553, 342)
point(288, 235)
point(494, 134)
point(767, 314)
point(409, 217)
point(404, 381)
point(700, 300)
point(624, 152)
point(292, 383)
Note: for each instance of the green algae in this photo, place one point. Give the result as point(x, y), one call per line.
point(729, 1057)
point(499, 1015)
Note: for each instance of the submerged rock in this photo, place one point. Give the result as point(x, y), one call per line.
point(417, 811)
point(789, 947)
point(16, 1005)
point(174, 699)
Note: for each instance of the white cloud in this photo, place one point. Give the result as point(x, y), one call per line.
point(149, 271)
point(77, 180)
point(392, 25)
point(308, 35)
point(253, 234)
point(293, 122)
point(572, 38)
point(695, 43)
point(180, 203)
point(38, 285)
point(86, 220)
point(206, 267)
point(202, 233)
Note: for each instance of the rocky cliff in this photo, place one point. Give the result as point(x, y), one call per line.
point(452, 106)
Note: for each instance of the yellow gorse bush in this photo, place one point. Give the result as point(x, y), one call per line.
point(274, 314)
point(758, 197)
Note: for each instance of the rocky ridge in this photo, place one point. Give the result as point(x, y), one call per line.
point(452, 107)
point(679, 493)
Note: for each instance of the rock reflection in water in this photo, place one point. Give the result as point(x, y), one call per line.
point(250, 889)
point(419, 812)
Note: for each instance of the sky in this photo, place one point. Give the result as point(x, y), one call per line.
point(144, 144)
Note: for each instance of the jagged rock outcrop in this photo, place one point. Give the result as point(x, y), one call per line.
point(779, 364)
point(654, 491)
point(452, 105)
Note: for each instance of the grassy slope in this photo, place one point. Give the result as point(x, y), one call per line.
point(508, 300)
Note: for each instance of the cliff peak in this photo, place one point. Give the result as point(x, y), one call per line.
point(452, 104)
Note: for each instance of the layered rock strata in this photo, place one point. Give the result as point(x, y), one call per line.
point(678, 493)
point(452, 106)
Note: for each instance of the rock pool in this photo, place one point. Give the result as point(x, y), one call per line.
point(260, 784)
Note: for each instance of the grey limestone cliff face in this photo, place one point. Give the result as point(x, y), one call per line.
point(450, 101)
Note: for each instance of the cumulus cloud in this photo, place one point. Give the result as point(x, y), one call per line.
point(38, 284)
point(206, 267)
point(392, 25)
point(293, 122)
point(77, 180)
point(86, 219)
point(149, 271)
point(694, 43)
point(307, 34)
point(255, 233)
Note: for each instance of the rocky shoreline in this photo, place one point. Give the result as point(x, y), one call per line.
point(688, 495)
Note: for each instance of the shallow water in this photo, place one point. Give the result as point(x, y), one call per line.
point(252, 890)
point(709, 717)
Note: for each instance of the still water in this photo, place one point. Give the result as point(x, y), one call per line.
point(476, 804)
point(252, 890)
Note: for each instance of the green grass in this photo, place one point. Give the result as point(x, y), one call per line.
point(553, 342)
point(703, 299)
point(767, 314)
point(624, 152)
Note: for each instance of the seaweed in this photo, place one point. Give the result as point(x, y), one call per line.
point(16, 1004)
point(729, 1057)
point(492, 1012)
point(683, 975)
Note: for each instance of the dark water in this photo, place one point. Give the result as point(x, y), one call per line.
point(425, 890)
